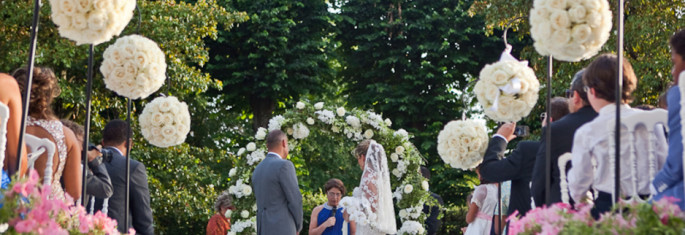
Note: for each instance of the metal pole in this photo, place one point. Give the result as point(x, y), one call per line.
point(128, 159)
point(86, 127)
point(27, 87)
point(548, 134)
point(619, 88)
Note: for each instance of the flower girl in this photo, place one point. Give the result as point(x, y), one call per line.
point(481, 207)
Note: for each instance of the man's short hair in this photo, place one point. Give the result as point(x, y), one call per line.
point(559, 108)
point(425, 172)
point(601, 75)
point(115, 132)
point(274, 138)
point(678, 43)
point(577, 85)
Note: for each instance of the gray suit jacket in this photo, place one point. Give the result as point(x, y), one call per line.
point(279, 202)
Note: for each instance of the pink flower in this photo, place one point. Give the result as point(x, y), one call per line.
point(85, 223)
point(26, 226)
point(131, 231)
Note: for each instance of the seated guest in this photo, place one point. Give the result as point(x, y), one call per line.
point(669, 181)
point(219, 224)
point(10, 96)
point(327, 219)
point(433, 224)
point(591, 141)
point(42, 123)
point(561, 142)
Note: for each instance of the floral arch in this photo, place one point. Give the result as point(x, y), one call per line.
point(309, 125)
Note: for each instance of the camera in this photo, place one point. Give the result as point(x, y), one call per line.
point(106, 153)
point(521, 131)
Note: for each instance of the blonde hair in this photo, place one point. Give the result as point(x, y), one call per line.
point(362, 148)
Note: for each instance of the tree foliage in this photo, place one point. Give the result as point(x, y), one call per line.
point(411, 60)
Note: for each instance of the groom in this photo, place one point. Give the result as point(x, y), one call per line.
point(279, 202)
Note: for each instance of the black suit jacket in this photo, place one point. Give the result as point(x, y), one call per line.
point(562, 142)
point(517, 167)
point(140, 214)
point(432, 222)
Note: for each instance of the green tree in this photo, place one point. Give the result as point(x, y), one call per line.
point(276, 56)
point(182, 178)
point(412, 60)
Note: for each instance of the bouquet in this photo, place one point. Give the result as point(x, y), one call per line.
point(462, 143)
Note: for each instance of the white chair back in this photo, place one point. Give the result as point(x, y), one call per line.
point(563, 182)
point(38, 146)
point(4, 117)
point(655, 122)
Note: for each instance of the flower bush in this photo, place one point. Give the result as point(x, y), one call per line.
point(133, 67)
point(321, 125)
point(660, 217)
point(570, 30)
point(508, 90)
point(28, 208)
point(91, 21)
point(165, 122)
point(462, 143)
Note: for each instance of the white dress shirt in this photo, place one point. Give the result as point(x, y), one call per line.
point(591, 141)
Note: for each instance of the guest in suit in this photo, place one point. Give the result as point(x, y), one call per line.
point(433, 224)
point(592, 140)
point(669, 181)
point(561, 142)
point(140, 215)
point(279, 202)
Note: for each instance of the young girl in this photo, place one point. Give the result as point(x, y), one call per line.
point(481, 207)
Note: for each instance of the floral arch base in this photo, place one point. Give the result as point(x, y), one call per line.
point(353, 126)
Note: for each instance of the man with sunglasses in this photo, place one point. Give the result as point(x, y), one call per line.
point(561, 142)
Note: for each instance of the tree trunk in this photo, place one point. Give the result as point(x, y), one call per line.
point(262, 109)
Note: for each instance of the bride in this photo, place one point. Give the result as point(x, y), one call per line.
point(371, 205)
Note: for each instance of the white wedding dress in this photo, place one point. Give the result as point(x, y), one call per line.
point(371, 205)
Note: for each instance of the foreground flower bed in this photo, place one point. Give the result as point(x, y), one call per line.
point(661, 217)
point(28, 208)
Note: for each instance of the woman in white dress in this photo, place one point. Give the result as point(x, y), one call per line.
point(481, 208)
point(371, 205)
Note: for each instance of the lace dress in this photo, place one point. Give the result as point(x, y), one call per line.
point(485, 196)
point(54, 128)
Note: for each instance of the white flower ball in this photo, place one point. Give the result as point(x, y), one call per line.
point(310, 121)
point(244, 214)
point(299, 105)
point(232, 172)
point(91, 21)
point(251, 146)
point(165, 128)
point(368, 134)
point(133, 67)
point(425, 185)
point(340, 111)
point(318, 106)
point(261, 133)
point(462, 143)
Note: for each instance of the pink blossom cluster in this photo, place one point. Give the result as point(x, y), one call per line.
point(37, 212)
point(546, 220)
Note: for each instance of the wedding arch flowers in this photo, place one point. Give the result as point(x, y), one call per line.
point(340, 124)
point(570, 30)
point(507, 89)
point(91, 21)
point(462, 143)
point(165, 122)
point(133, 67)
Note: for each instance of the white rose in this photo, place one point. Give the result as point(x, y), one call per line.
point(581, 33)
point(403, 214)
point(335, 129)
point(368, 134)
point(79, 23)
point(247, 190)
point(82, 6)
point(388, 122)
point(396, 172)
point(290, 131)
point(560, 20)
point(593, 19)
point(557, 4)
point(394, 157)
point(577, 13)
point(67, 7)
point(245, 214)
point(500, 77)
point(228, 213)
point(299, 105)
point(232, 172)
point(408, 188)
point(399, 150)
point(318, 106)
point(97, 21)
point(251, 146)
point(561, 36)
point(340, 111)
point(240, 151)
point(261, 133)
point(425, 185)
point(169, 130)
point(310, 121)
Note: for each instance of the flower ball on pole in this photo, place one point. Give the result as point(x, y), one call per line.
point(134, 67)
point(91, 21)
point(462, 143)
point(165, 122)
